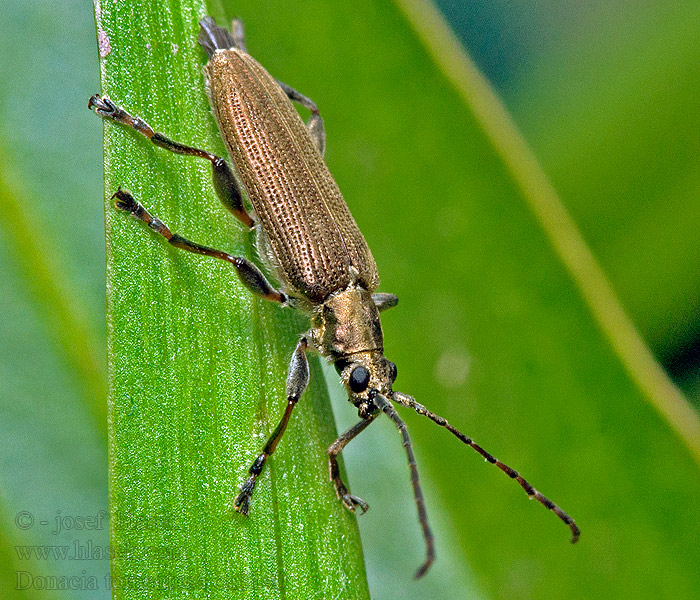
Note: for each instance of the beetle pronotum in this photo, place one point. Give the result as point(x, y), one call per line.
point(308, 239)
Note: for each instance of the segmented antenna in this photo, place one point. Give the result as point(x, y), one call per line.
point(410, 402)
point(385, 406)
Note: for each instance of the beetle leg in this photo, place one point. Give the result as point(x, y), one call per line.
point(225, 184)
point(297, 380)
point(315, 124)
point(385, 301)
point(248, 273)
point(336, 448)
point(238, 34)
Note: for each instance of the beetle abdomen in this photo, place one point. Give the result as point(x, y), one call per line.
point(312, 234)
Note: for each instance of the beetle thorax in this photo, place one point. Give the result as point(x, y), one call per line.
point(347, 323)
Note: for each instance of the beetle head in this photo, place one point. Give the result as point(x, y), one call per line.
point(364, 374)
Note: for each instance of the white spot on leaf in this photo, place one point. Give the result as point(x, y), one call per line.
point(452, 368)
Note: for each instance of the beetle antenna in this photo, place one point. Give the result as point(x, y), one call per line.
point(410, 402)
point(386, 407)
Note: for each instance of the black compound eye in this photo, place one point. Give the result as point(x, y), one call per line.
point(359, 379)
point(392, 371)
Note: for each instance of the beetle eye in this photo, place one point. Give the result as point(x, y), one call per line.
point(392, 371)
point(359, 379)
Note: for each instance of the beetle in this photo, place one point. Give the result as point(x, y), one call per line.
point(309, 241)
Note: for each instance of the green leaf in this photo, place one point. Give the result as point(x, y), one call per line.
point(611, 110)
point(552, 364)
point(52, 388)
point(197, 365)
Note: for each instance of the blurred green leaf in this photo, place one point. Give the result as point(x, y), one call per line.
point(611, 110)
point(587, 359)
point(53, 453)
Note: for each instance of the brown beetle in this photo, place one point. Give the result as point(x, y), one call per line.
point(309, 240)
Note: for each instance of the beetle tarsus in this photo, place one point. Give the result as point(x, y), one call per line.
point(350, 501)
point(224, 179)
point(107, 109)
point(242, 503)
point(102, 105)
point(124, 201)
